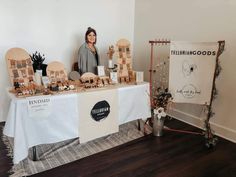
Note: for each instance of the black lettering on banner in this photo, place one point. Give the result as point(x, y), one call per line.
point(192, 52)
point(208, 52)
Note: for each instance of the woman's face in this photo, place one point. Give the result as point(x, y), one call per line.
point(91, 37)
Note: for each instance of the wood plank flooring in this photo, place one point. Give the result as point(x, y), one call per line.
point(172, 155)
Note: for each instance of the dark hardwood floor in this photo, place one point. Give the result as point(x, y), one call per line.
point(172, 155)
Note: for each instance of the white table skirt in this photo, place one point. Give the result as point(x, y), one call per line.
point(62, 124)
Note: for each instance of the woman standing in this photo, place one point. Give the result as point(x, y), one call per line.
point(88, 59)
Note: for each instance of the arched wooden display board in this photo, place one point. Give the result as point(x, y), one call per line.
point(56, 72)
point(19, 66)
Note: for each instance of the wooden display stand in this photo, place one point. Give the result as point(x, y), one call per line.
point(19, 67)
point(56, 72)
point(151, 70)
point(125, 72)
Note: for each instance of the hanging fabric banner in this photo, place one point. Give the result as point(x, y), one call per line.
point(191, 72)
point(98, 114)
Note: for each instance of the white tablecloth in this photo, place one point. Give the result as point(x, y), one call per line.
point(62, 123)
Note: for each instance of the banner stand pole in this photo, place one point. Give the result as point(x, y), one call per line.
point(210, 138)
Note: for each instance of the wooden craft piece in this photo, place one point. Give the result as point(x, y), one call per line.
point(110, 53)
point(20, 67)
point(124, 60)
point(56, 72)
point(89, 80)
point(74, 75)
point(88, 75)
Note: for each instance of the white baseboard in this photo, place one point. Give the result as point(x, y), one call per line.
point(219, 130)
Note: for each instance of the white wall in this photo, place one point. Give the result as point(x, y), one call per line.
point(201, 20)
point(56, 28)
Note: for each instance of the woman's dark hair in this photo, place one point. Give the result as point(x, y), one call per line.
point(89, 30)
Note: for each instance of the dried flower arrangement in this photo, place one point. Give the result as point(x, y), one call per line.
point(160, 103)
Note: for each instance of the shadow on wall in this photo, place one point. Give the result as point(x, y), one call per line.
point(77, 41)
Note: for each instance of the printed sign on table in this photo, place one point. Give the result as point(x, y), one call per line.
point(39, 107)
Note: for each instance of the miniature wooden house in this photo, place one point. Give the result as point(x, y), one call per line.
point(89, 80)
